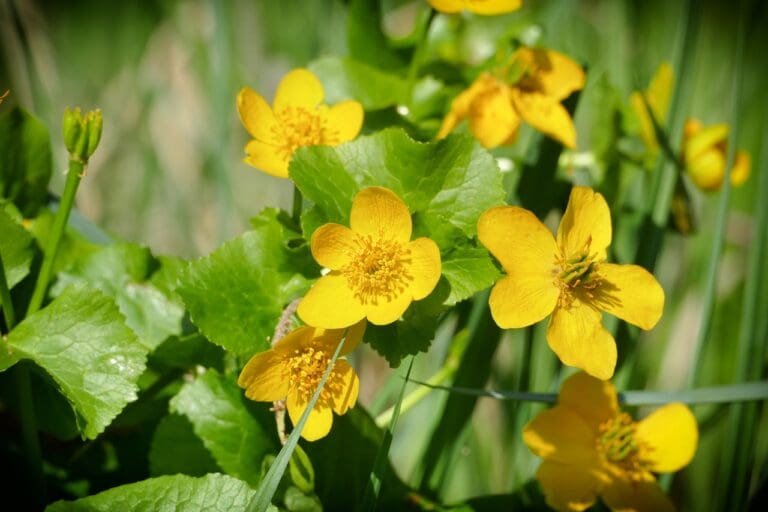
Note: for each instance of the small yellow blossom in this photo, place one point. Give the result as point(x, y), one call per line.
point(704, 155)
point(292, 370)
point(485, 7)
point(568, 278)
point(590, 448)
point(657, 95)
point(496, 105)
point(375, 270)
point(296, 119)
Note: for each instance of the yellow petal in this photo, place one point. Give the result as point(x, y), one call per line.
point(265, 157)
point(522, 300)
point(491, 7)
point(579, 339)
point(299, 88)
point(549, 72)
point(344, 386)
point(703, 139)
point(319, 421)
point(263, 378)
point(333, 245)
point(594, 400)
point(344, 121)
point(629, 292)
point(424, 268)
point(568, 487)
point(378, 212)
point(545, 114)
point(587, 220)
point(526, 250)
point(462, 103)
point(331, 337)
point(387, 311)
point(561, 435)
point(668, 438)
point(492, 118)
point(644, 495)
point(647, 131)
point(256, 115)
point(297, 339)
point(330, 304)
point(707, 169)
point(660, 91)
point(741, 168)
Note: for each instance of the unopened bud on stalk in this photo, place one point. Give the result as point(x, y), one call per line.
point(81, 133)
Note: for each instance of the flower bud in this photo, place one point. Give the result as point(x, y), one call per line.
point(71, 128)
point(82, 133)
point(94, 121)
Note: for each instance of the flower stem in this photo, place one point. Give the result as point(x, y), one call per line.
point(74, 174)
point(298, 201)
point(30, 441)
point(5, 297)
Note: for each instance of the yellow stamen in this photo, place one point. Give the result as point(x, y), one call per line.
point(299, 126)
point(378, 270)
point(618, 445)
point(576, 273)
point(305, 368)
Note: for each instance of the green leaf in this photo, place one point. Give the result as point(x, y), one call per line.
point(468, 270)
point(236, 431)
point(446, 184)
point(186, 352)
point(236, 294)
point(176, 449)
point(82, 341)
point(345, 78)
point(179, 493)
point(343, 462)
point(25, 161)
point(122, 271)
point(297, 501)
point(16, 248)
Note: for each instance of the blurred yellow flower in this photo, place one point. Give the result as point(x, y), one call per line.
point(375, 270)
point(529, 89)
point(292, 370)
point(486, 7)
point(296, 119)
point(704, 155)
point(567, 278)
point(590, 448)
point(657, 95)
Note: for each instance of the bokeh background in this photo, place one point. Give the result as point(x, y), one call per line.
point(169, 174)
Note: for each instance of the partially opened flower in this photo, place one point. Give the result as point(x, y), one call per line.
point(292, 370)
point(704, 156)
point(657, 97)
point(530, 88)
point(376, 271)
point(486, 7)
point(591, 448)
point(296, 119)
point(569, 278)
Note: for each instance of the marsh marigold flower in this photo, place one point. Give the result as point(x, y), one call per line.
point(529, 89)
point(292, 370)
point(296, 119)
point(657, 95)
point(590, 448)
point(704, 155)
point(376, 271)
point(486, 7)
point(568, 278)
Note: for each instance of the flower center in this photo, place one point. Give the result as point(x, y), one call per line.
point(378, 269)
point(305, 371)
point(576, 273)
point(618, 445)
point(298, 127)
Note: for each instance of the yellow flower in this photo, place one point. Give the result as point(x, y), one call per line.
point(658, 95)
point(375, 270)
point(297, 119)
point(495, 107)
point(590, 448)
point(568, 278)
point(292, 370)
point(486, 7)
point(704, 155)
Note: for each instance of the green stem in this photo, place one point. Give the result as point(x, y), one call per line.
point(5, 297)
point(298, 203)
point(74, 174)
point(31, 442)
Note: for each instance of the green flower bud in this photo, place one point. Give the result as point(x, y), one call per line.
point(72, 128)
point(94, 122)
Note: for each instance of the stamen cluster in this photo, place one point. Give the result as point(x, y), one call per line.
point(298, 127)
point(378, 269)
point(618, 444)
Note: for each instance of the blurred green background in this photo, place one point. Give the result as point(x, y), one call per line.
point(169, 174)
